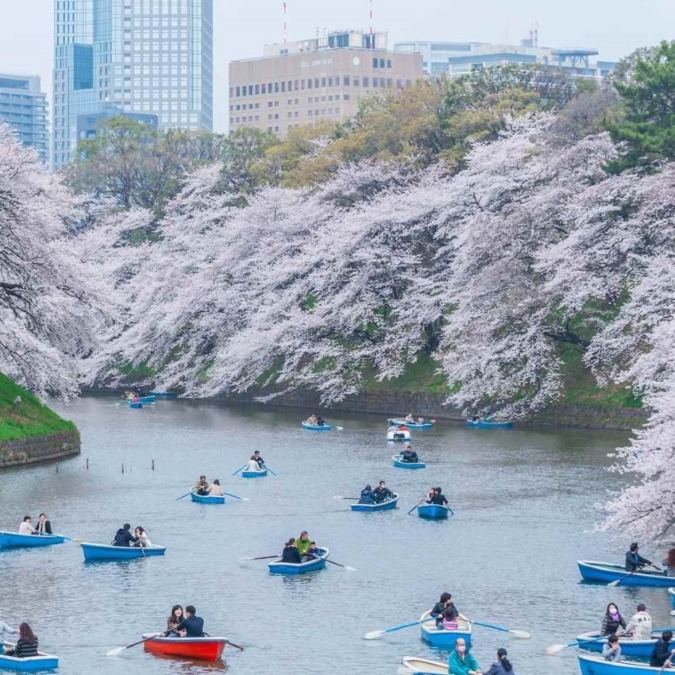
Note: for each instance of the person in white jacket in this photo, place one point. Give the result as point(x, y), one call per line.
point(7, 630)
point(640, 625)
point(26, 526)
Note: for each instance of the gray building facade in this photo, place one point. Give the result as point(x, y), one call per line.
point(23, 106)
point(147, 57)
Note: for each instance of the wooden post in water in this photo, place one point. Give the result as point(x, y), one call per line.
point(87, 464)
point(153, 464)
point(122, 467)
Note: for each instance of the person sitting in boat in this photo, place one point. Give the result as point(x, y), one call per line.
point(612, 620)
point(201, 486)
point(320, 421)
point(438, 609)
point(408, 455)
point(502, 666)
point(409, 418)
point(367, 496)
point(640, 625)
point(312, 552)
point(420, 420)
point(311, 420)
point(450, 616)
point(290, 553)
point(6, 629)
point(255, 457)
point(634, 561)
point(43, 526)
point(141, 537)
point(663, 651)
point(461, 661)
point(611, 650)
point(382, 493)
point(303, 542)
point(123, 537)
point(192, 625)
point(436, 496)
point(26, 645)
point(26, 526)
point(174, 620)
point(215, 490)
point(669, 563)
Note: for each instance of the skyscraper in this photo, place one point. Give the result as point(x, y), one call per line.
point(144, 56)
point(23, 105)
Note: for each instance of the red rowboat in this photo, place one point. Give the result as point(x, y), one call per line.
point(202, 649)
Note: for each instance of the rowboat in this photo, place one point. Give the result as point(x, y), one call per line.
point(29, 664)
point(592, 570)
point(198, 648)
point(382, 506)
point(148, 399)
point(278, 567)
point(671, 593)
point(433, 511)
point(399, 435)
point(424, 666)
point(163, 394)
point(207, 499)
point(411, 425)
point(486, 424)
point(596, 665)
point(400, 464)
point(135, 404)
point(316, 427)
point(438, 637)
point(16, 540)
point(254, 474)
point(641, 649)
point(108, 552)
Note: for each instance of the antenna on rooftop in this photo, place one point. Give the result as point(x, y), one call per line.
point(285, 24)
point(372, 42)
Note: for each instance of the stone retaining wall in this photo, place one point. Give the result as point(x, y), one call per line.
point(39, 449)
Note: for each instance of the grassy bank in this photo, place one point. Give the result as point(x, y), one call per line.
point(27, 418)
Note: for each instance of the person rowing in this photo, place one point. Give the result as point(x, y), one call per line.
point(437, 497)
point(640, 625)
point(256, 462)
point(141, 537)
point(382, 493)
point(634, 561)
point(123, 536)
point(439, 609)
point(409, 418)
point(367, 496)
point(192, 625)
point(408, 455)
point(290, 554)
point(311, 420)
point(201, 487)
point(26, 526)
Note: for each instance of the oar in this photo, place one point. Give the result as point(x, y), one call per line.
point(452, 513)
point(416, 505)
point(347, 567)
point(616, 582)
point(77, 540)
point(243, 499)
point(375, 634)
point(518, 633)
point(555, 649)
point(187, 494)
point(118, 650)
point(237, 646)
point(239, 469)
point(261, 557)
point(666, 664)
point(352, 498)
point(274, 473)
point(339, 428)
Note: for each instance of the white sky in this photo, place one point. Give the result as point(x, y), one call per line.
point(242, 27)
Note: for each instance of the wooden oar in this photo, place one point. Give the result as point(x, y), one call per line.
point(375, 634)
point(239, 469)
point(666, 664)
point(555, 649)
point(261, 557)
point(77, 540)
point(243, 499)
point(517, 633)
point(274, 473)
point(416, 505)
point(187, 494)
point(347, 567)
point(118, 650)
point(352, 498)
point(616, 582)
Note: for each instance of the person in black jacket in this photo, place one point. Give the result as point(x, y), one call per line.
point(382, 493)
point(290, 553)
point(437, 497)
point(445, 604)
point(191, 625)
point(367, 495)
point(43, 526)
point(663, 650)
point(634, 561)
point(612, 620)
point(124, 536)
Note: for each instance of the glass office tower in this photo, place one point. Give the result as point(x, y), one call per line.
point(153, 57)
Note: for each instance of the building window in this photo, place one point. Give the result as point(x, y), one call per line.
point(264, 89)
point(257, 89)
point(330, 81)
point(388, 63)
point(309, 84)
point(375, 63)
point(283, 86)
point(365, 82)
point(323, 81)
point(302, 84)
point(356, 82)
point(345, 81)
point(276, 87)
point(346, 97)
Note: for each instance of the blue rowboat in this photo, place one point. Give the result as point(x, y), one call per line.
point(445, 639)
point(486, 424)
point(207, 499)
point(316, 427)
point(16, 540)
point(148, 399)
point(254, 474)
point(278, 567)
point(135, 404)
point(596, 665)
point(163, 394)
point(433, 511)
point(424, 666)
point(592, 570)
point(638, 649)
point(108, 552)
point(399, 435)
point(382, 506)
point(26, 665)
point(411, 425)
point(400, 464)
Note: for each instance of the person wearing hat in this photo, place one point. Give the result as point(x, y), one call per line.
point(502, 666)
point(367, 496)
point(634, 561)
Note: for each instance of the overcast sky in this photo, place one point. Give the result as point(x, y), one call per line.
point(242, 27)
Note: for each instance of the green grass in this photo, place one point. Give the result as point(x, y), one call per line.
point(28, 418)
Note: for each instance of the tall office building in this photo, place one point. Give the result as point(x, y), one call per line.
point(152, 57)
point(24, 107)
point(310, 81)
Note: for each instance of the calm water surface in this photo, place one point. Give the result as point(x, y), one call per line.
point(524, 510)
